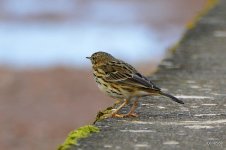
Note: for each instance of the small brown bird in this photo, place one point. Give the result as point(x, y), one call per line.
point(121, 81)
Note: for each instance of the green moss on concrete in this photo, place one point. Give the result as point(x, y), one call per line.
point(75, 135)
point(208, 6)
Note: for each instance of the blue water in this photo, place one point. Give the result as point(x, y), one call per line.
point(98, 28)
point(47, 45)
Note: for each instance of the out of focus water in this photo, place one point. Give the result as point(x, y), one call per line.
point(42, 33)
point(46, 45)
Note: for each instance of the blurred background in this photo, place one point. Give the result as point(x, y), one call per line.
point(46, 84)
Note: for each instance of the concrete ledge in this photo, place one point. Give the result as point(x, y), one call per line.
point(196, 73)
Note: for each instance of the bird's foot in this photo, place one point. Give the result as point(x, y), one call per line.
point(131, 115)
point(114, 115)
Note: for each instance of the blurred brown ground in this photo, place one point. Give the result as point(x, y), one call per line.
point(39, 107)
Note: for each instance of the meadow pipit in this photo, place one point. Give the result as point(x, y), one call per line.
point(121, 81)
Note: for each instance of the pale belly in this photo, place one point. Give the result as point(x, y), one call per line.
point(109, 91)
point(116, 93)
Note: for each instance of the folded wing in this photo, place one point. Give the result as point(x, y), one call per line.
point(125, 74)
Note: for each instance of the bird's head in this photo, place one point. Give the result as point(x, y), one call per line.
point(100, 58)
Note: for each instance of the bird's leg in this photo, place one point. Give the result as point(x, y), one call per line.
point(131, 112)
point(114, 114)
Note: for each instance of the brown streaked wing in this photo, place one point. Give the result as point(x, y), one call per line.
point(127, 75)
point(144, 81)
point(116, 71)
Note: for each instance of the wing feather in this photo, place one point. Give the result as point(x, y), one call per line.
point(124, 73)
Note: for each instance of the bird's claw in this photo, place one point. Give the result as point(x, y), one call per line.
point(114, 115)
point(131, 115)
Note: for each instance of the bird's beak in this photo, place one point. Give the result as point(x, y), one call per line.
point(88, 57)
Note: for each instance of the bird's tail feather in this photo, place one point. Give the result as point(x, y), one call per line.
point(172, 97)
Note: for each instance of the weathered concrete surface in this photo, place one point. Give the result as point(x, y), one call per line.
point(196, 73)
